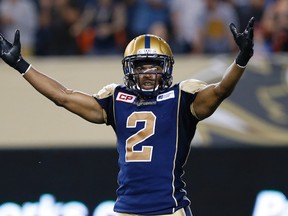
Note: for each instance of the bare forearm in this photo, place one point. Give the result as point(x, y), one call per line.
point(229, 80)
point(211, 97)
point(47, 86)
point(79, 103)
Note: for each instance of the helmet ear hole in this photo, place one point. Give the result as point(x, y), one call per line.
point(167, 81)
point(129, 81)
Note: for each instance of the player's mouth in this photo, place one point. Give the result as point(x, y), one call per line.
point(148, 84)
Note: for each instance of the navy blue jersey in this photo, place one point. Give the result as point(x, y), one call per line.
point(153, 140)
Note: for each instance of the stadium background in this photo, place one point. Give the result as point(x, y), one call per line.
point(238, 154)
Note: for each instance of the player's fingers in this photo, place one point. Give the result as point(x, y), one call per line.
point(233, 29)
point(1, 49)
point(4, 44)
point(251, 33)
point(3, 39)
point(250, 23)
point(16, 38)
point(1, 42)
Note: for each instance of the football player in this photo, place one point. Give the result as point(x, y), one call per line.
point(154, 121)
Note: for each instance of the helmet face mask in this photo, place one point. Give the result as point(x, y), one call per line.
point(148, 55)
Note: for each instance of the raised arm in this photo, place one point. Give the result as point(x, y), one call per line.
point(210, 98)
point(77, 102)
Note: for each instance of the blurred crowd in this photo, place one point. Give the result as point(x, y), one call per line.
point(104, 27)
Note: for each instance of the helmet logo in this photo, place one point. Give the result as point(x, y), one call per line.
point(146, 51)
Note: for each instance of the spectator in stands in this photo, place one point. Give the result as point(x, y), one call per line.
point(273, 28)
point(213, 34)
point(184, 20)
point(22, 15)
point(280, 36)
point(54, 34)
point(43, 36)
point(251, 8)
point(142, 14)
point(101, 28)
point(160, 29)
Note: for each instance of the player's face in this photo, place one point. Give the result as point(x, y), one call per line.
point(148, 76)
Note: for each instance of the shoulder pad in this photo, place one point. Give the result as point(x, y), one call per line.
point(192, 85)
point(106, 91)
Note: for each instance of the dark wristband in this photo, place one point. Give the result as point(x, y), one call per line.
point(21, 66)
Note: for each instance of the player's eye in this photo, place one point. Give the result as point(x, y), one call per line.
point(139, 69)
point(152, 69)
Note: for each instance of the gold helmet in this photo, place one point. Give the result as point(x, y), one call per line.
point(147, 48)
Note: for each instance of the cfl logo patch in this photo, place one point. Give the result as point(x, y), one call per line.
point(125, 97)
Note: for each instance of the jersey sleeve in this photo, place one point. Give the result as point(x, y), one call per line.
point(105, 98)
point(192, 86)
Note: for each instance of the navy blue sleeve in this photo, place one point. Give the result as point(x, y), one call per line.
point(107, 105)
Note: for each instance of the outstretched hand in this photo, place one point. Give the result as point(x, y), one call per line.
point(244, 40)
point(11, 53)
